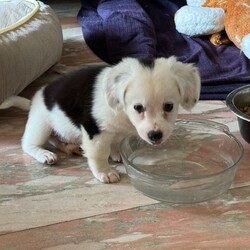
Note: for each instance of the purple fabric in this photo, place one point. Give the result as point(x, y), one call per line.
point(114, 29)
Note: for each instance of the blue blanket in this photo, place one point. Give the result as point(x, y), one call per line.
point(114, 29)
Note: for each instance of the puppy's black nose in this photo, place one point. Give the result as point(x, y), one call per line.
point(155, 136)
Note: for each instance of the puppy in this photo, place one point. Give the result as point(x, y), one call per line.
point(95, 107)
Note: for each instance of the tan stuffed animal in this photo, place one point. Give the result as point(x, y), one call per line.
point(235, 21)
point(220, 37)
point(237, 24)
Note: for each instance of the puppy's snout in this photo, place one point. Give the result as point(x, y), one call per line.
point(155, 136)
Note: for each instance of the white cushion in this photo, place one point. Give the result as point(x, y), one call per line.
point(30, 43)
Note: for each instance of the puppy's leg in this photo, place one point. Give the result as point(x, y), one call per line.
point(115, 152)
point(36, 134)
point(97, 151)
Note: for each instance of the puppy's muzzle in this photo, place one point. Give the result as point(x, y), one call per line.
point(155, 136)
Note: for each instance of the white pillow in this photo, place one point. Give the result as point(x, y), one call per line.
point(30, 43)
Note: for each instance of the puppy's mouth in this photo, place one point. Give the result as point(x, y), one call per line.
point(158, 142)
point(155, 137)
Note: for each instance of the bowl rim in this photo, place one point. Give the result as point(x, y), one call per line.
point(230, 103)
point(209, 123)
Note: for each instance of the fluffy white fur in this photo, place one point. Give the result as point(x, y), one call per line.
point(128, 98)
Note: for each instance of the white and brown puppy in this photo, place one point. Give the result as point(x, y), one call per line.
point(95, 107)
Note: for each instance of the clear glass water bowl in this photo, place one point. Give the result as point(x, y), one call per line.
point(197, 163)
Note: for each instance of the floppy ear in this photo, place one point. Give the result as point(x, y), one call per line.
point(116, 81)
point(188, 82)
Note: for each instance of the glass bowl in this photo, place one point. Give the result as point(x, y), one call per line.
point(197, 163)
point(236, 101)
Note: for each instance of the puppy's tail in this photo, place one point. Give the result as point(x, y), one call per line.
point(16, 101)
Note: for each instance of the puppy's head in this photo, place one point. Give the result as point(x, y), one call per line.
point(150, 92)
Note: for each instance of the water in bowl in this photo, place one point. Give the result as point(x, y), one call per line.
point(177, 163)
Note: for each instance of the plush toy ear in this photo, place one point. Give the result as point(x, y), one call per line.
point(188, 82)
point(198, 21)
point(116, 81)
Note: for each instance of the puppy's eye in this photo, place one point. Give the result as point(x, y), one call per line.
point(167, 107)
point(139, 108)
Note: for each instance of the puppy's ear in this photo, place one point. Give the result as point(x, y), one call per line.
point(188, 82)
point(116, 81)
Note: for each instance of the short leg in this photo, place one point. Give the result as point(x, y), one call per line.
point(97, 151)
point(115, 153)
point(36, 134)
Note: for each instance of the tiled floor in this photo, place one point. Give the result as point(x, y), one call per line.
point(64, 207)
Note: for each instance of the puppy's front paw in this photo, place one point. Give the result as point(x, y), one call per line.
point(115, 154)
point(108, 176)
point(101, 168)
point(116, 157)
